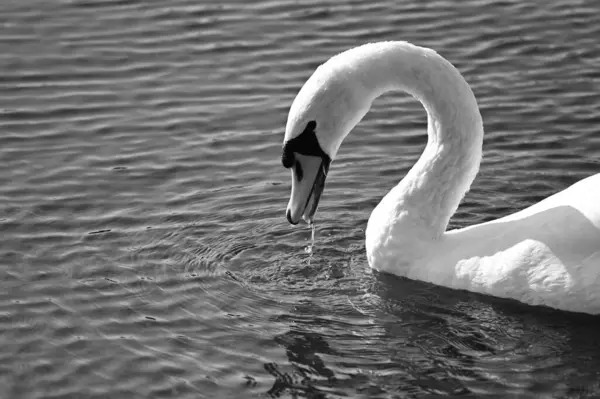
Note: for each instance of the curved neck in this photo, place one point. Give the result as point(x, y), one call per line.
point(436, 184)
point(421, 205)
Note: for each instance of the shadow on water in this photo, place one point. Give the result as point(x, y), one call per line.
point(404, 338)
point(302, 350)
point(507, 345)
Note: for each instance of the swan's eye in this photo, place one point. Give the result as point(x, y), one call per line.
point(299, 172)
point(306, 144)
point(287, 158)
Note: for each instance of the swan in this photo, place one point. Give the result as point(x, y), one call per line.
point(547, 254)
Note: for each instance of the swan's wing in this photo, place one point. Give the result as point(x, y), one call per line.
point(584, 196)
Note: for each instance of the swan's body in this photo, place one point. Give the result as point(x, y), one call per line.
point(547, 254)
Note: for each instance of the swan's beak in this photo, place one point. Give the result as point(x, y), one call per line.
point(308, 180)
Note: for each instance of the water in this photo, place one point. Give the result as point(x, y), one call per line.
point(309, 247)
point(145, 251)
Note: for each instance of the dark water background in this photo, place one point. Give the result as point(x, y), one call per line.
point(144, 250)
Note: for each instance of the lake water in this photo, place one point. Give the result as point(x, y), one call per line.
point(144, 248)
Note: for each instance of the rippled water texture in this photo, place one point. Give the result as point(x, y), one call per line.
point(144, 249)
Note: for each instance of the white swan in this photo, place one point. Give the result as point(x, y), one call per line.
point(547, 254)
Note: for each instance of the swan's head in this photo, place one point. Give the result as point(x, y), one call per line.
point(327, 107)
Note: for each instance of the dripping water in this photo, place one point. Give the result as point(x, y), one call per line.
point(309, 247)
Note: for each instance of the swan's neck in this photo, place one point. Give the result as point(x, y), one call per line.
point(415, 213)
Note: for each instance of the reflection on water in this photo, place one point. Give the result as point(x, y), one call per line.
point(145, 251)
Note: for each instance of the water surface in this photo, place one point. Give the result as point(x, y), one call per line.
point(145, 251)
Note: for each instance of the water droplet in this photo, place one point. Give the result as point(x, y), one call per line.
point(309, 248)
